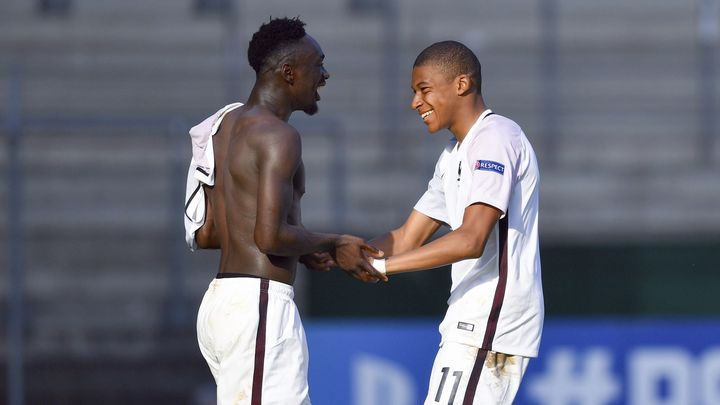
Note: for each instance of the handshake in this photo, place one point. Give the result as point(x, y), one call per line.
point(354, 256)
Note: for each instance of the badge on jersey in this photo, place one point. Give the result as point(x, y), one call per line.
point(490, 166)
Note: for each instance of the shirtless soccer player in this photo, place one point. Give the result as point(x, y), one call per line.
point(248, 326)
point(485, 188)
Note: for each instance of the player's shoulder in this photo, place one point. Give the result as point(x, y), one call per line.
point(447, 151)
point(504, 127)
point(498, 130)
point(498, 134)
point(264, 130)
point(263, 124)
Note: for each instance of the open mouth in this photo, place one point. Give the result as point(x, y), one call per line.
point(317, 93)
point(426, 114)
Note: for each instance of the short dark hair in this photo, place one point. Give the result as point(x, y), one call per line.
point(453, 58)
point(273, 37)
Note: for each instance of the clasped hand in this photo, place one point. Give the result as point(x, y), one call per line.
point(352, 255)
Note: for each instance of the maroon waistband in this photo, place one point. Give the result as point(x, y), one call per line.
point(234, 275)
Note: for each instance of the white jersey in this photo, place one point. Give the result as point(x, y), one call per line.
point(201, 171)
point(496, 301)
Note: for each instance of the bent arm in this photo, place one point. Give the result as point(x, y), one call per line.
point(466, 242)
point(277, 153)
point(206, 237)
point(279, 158)
point(416, 230)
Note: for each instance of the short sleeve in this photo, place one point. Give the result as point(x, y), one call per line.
point(432, 203)
point(493, 162)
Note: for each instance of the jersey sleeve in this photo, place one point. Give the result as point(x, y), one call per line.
point(493, 164)
point(432, 203)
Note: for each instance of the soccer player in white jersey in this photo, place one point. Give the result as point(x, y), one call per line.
point(485, 188)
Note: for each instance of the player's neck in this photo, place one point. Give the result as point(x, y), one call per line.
point(264, 94)
point(465, 118)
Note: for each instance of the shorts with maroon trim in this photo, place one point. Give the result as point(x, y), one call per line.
point(465, 375)
point(251, 336)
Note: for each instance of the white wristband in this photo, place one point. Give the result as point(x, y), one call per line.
point(379, 265)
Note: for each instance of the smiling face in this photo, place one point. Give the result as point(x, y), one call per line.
point(309, 74)
point(434, 97)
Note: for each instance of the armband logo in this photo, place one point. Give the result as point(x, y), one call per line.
point(490, 166)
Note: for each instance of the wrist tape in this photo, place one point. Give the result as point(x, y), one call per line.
point(379, 265)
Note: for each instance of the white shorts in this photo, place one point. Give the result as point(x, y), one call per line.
point(464, 375)
point(251, 336)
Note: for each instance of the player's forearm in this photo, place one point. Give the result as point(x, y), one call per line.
point(394, 242)
point(291, 240)
point(384, 242)
point(453, 247)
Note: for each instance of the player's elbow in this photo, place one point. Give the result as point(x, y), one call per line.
point(206, 239)
point(472, 246)
point(204, 242)
point(478, 249)
point(474, 251)
point(266, 241)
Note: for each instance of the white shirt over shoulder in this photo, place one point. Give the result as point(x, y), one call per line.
point(201, 171)
point(496, 301)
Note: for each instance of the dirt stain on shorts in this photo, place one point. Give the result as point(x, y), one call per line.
point(497, 362)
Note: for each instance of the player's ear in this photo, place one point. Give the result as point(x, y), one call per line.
point(463, 84)
point(288, 73)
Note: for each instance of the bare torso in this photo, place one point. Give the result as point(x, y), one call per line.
point(234, 197)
